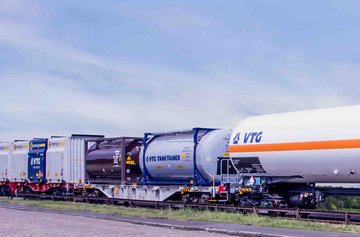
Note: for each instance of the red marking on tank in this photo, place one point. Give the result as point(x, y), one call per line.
point(297, 146)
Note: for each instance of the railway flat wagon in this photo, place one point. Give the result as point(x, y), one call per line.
point(174, 166)
point(54, 165)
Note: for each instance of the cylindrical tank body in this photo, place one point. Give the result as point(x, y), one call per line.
point(321, 146)
point(171, 156)
point(103, 160)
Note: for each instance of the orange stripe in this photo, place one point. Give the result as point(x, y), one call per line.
point(297, 146)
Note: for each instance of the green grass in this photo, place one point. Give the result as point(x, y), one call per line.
point(189, 214)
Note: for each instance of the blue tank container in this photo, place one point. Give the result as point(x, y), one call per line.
point(37, 160)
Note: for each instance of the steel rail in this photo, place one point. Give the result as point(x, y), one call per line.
point(334, 217)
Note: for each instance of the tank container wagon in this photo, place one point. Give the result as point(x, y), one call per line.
point(178, 165)
point(111, 164)
point(280, 158)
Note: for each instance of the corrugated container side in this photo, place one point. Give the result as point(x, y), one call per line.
point(19, 162)
point(67, 165)
point(5, 155)
point(77, 160)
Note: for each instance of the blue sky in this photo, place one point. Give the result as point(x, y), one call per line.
point(126, 67)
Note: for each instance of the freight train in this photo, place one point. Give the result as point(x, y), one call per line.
point(268, 161)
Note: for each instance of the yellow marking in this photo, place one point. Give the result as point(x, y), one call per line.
point(185, 190)
point(130, 162)
point(116, 190)
point(245, 190)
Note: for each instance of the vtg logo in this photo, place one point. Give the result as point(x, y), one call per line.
point(35, 161)
point(250, 137)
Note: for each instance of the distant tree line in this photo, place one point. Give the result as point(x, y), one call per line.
point(340, 202)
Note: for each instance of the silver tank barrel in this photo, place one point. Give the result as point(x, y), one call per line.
point(169, 157)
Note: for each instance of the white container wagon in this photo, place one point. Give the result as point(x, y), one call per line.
point(65, 162)
point(19, 161)
point(5, 156)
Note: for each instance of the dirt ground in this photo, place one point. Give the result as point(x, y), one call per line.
point(27, 223)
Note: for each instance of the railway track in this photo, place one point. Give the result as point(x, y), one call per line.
point(334, 217)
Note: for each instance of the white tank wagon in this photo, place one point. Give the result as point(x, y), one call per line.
point(321, 146)
point(316, 146)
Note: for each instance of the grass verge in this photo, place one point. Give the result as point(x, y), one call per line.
point(188, 214)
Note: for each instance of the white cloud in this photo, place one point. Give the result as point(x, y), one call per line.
point(139, 98)
point(19, 9)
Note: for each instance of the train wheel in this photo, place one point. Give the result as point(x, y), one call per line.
point(204, 199)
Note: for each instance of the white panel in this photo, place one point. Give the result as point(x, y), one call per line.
point(19, 161)
point(55, 157)
point(77, 161)
point(66, 160)
point(213, 145)
point(5, 155)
